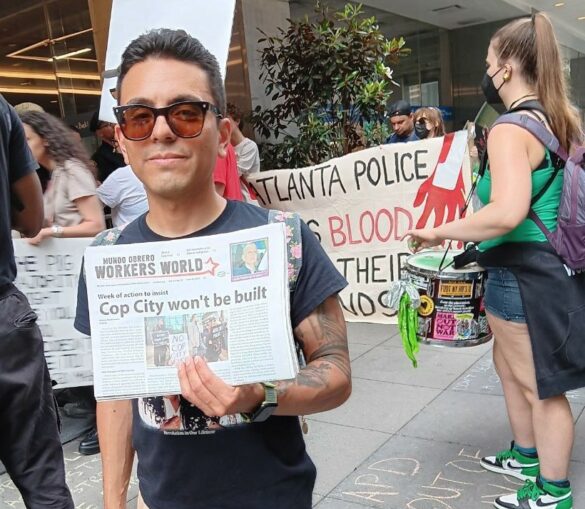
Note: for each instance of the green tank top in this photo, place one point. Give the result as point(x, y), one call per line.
point(546, 207)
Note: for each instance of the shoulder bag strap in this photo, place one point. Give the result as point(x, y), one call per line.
point(294, 242)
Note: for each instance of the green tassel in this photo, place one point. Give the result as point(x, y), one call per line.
point(408, 325)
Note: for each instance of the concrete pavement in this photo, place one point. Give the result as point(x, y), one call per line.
point(407, 438)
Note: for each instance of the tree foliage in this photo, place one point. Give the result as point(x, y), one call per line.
point(330, 81)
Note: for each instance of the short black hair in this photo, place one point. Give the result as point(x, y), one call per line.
point(177, 45)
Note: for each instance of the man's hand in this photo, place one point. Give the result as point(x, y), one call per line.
point(204, 389)
point(324, 383)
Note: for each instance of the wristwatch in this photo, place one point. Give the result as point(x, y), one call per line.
point(56, 231)
point(267, 407)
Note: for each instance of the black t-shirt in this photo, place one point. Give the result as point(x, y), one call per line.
point(16, 161)
point(107, 160)
point(187, 460)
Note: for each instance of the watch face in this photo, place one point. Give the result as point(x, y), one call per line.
point(267, 407)
point(270, 394)
point(264, 412)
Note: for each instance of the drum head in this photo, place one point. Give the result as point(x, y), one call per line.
point(428, 262)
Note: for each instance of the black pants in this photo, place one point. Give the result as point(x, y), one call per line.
point(30, 447)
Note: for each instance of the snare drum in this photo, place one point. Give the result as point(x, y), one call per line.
point(451, 311)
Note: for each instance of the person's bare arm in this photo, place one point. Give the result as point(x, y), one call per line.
point(93, 221)
point(509, 150)
point(28, 197)
point(114, 422)
point(323, 384)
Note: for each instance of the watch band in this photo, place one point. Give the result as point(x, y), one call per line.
point(267, 407)
point(57, 231)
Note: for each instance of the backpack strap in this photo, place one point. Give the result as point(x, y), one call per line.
point(550, 141)
point(537, 129)
point(107, 237)
point(294, 242)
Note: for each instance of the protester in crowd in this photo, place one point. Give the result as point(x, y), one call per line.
point(428, 123)
point(402, 122)
point(106, 157)
point(530, 295)
point(256, 464)
point(247, 154)
point(124, 194)
point(225, 176)
point(72, 209)
point(43, 174)
point(71, 206)
point(30, 447)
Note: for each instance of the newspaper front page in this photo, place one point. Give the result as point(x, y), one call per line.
point(223, 297)
point(48, 276)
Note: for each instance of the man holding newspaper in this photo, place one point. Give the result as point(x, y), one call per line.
point(215, 445)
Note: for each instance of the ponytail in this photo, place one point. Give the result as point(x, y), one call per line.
point(532, 42)
point(551, 85)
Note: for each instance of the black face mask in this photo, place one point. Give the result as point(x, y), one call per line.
point(489, 89)
point(421, 130)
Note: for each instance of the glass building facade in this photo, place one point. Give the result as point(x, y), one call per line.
point(52, 53)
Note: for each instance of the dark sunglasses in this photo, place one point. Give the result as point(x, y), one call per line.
point(185, 118)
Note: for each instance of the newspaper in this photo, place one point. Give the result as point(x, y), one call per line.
point(223, 297)
point(48, 276)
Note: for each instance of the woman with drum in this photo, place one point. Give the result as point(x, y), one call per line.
point(530, 298)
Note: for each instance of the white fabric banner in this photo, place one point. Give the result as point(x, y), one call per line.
point(362, 204)
point(48, 276)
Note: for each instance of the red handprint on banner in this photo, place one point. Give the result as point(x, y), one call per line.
point(443, 193)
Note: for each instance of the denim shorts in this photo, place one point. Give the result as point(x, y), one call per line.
point(502, 295)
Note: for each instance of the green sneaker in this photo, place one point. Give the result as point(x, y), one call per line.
point(511, 462)
point(534, 495)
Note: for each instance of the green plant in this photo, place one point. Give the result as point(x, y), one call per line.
point(330, 81)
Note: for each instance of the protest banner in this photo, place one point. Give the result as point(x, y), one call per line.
point(361, 205)
point(48, 276)
point(155, 304)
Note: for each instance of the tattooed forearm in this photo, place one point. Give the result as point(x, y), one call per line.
point(324, 338)
point(325, 382)
point(314, 376)
point(335, 355)
point(323, 327)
